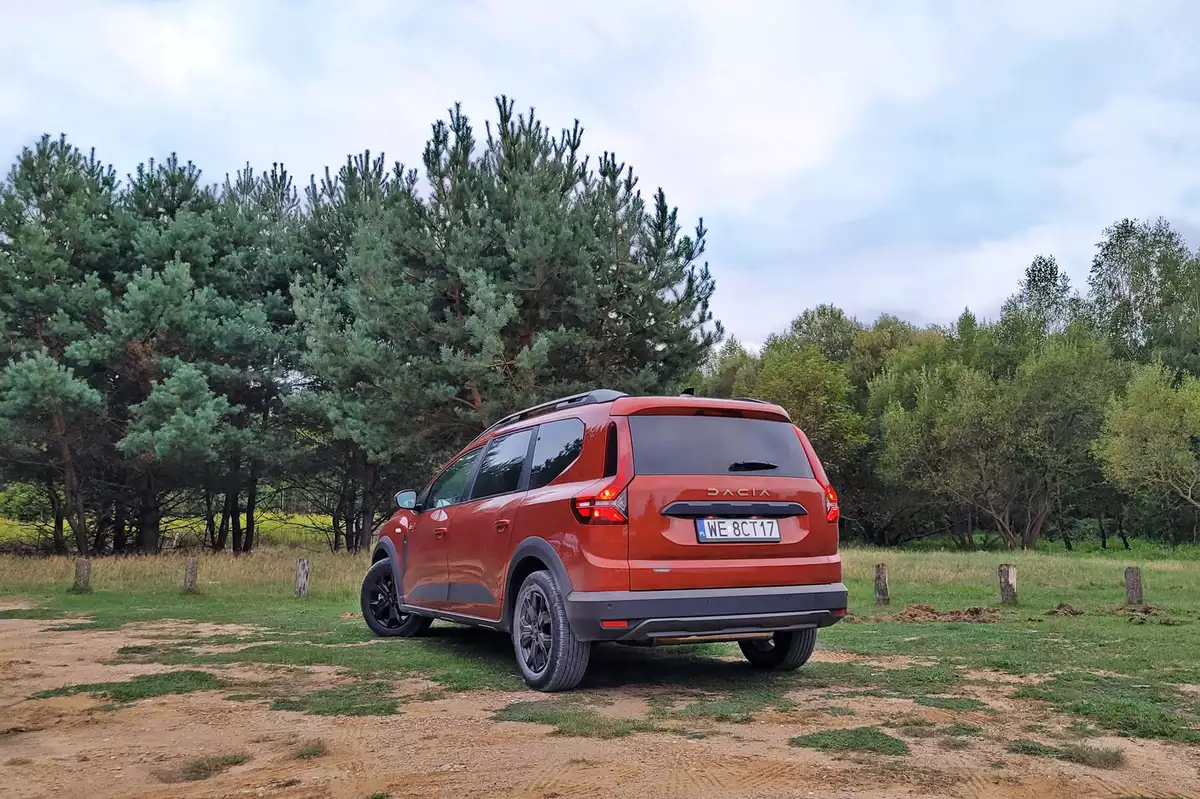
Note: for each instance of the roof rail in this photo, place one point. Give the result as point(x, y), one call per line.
point(586, 398)
point(750, 399)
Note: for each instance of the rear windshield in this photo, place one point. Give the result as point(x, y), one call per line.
point(716, 445)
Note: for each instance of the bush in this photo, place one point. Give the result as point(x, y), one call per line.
point(25, 502)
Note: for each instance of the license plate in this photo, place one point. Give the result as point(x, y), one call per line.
point(709, 531)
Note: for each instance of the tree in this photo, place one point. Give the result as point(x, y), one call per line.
point(524, 275)
point(814, 391)
point(1150, 440)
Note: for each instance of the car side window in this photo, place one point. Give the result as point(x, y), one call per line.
point(449, 488)
point(500, 472)
point(558, 445)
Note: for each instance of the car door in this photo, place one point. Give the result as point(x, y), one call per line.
point(424, 580)
point(479, 543)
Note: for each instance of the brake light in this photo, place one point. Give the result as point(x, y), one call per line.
point(832, 511)
point(610, 505)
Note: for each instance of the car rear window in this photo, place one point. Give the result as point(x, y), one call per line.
point(716, 445)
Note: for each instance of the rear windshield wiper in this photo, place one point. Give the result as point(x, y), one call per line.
point(752, 466)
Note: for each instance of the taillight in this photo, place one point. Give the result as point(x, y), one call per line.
point(610, 505)
point(832, 512)
point(599, 510)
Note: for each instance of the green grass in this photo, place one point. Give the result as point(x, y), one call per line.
point(1084, 754)
point(357, 699)
point(1152, 661)
point(951, 702)
point(961, 729)
point(171, 682)
point(859, 739)
point(569, 718)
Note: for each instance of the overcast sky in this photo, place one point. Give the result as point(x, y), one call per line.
point(904, 157)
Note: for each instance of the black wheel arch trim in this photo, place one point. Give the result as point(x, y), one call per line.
point(544, 551)
point(388, 550)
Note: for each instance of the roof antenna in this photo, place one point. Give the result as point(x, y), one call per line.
point(690, 391)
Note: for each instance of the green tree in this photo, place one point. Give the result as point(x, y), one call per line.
point(1149, 439)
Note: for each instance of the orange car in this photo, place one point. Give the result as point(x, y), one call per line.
point(606, 517)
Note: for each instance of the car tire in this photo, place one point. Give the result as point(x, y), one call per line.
point(548, 654)
point(784, 651)
point(381, 607)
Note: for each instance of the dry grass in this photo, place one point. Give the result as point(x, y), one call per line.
point(271, 570)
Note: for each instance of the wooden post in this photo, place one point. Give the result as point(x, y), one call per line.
point(190, 573)
point(881, 584)
point(83, 576)
point(301, 577)
point(1133, 586)
point(1008, 584)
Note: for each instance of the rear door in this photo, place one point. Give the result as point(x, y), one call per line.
point(725, 501)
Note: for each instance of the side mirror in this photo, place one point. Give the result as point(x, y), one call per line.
point(406, 499)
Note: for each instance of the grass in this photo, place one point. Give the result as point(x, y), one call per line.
point(312, 748)
point(859, 739)
point(1152, 662)
point(144, 687)
point(570, 719)
point(961, 729)
point(357, 699)
point(203, 768)
point(1084, 754)
point(951, 702)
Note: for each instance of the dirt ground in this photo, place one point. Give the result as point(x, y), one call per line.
point(450, 747)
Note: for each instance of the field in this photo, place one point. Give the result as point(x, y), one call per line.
point(136, 689)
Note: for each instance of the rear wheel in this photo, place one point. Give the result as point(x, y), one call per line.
point(784, 651)
point(549, 655)
point(381, 607)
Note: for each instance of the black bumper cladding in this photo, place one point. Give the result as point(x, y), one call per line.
point(650, 615)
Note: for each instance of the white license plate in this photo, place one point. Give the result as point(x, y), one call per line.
point(710, 531)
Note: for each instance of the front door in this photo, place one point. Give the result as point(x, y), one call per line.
point(424, 580)
point(480, 542)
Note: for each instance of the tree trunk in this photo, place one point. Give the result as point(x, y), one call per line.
point(149, 524)
point(367, 511)
point(251, 506)
point(223, 530)
point(121, 526)
point(210, 520)
point(72, 488)
point(1103, 532)
point(60, 539)
point(234, 497)
point(1121, 527)
point(1133, 586)
point(1008, 584)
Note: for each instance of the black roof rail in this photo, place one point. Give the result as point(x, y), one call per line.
point(750, 399)
point(586, 398)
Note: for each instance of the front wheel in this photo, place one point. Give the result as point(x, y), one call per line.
point(549, 655)
point(784, 651)
point(381, 607)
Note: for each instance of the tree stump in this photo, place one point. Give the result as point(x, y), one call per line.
point(83, 576)
point(301, 577)
point(1008, 584)
point(881, 584)
point(1133, 586)
point(190, 573)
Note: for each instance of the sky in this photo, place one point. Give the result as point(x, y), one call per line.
point(887, 157)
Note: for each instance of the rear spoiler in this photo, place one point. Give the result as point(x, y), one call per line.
point(698, 406)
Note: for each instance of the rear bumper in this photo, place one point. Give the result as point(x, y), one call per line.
point(651, 615)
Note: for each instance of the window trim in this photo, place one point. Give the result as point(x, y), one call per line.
point(522, 479)
point(533, 446)
point(424, 498)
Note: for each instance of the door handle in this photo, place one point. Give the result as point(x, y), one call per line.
point(501, 525)
point(440, 532)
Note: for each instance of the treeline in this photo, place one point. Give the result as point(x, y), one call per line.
point(174, 349)
point(1074, 414)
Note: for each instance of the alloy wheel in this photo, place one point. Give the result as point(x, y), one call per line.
point(535, 628)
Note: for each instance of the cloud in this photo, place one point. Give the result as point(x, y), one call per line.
point(909, 158)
